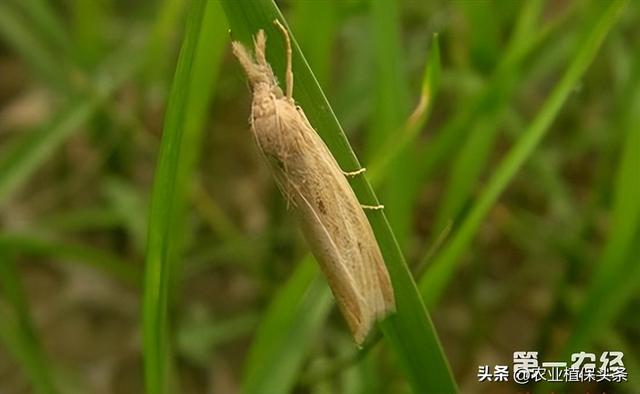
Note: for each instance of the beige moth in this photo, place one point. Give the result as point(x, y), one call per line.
point(332, 219)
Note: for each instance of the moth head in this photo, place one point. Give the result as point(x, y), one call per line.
point(258, 71)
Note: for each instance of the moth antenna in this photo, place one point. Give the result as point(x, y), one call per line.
point(289, 72)
point(244, 57)
point(260, 43)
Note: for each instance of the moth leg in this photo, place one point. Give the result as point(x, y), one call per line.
point(354, 173)
point(372, 207)
point(289, 72)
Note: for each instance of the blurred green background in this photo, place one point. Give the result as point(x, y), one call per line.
point(503, 138)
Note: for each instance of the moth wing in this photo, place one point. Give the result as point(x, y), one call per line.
point(352, 304)
point(336, 228)
point(376, 283)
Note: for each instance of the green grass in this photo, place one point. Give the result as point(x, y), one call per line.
point(36, 245)
point(15, 30)
point(492, 95)
point(409, 132)
point(618, 273)
point(16, 328)
point(472, 156)
point(316, 27)
point(178, 152)
point(501, 137)
point(443, 267)
point(389, 111)
point(28, 153)
point(283, 340)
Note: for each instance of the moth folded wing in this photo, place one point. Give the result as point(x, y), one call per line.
point(365, 256)
point(355, 227)
point(344, 286)
point(382, 282)
point(336, 208)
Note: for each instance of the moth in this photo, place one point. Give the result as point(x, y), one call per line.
point(332, 219)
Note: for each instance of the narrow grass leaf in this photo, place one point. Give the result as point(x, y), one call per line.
point(441, 271)
point(129, 206)
point(178, 152)
point(47, 21)
point(88, 18)
point(35, 245)
point(198, 337)
point(391, 106)
point(283, 338)
point(614, 277)
point(314, 23)
point(391, 89)
point(17, 33)
point(475, 150)
point(29, 152)
point(76, 220)
point(397, 142)
point(484, 42)
point(160, 41)
point(447, 140)
point(16, 327)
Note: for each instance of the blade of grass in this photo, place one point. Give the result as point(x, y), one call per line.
point(391, 101)
point(130, 206)
point(484, 41)
point(617, 262)
point(441, 271)
point(391, 105)
point(16, 328)
point(75, 220)
point(240, 251)
point(161, 39)
point(190, 93)
point(596, 315)
point(410, 331)
point(46, 20)
point(27, 154)
point(204, 74)
point(283, 338)
point(353, 99)
point(166, 201)
point(88, 20)
point(613, 340)
point(213, 214)
point(397, 142)
point(466, 169)
point(447, 139)
point(16, 32)
point(198, 336)
point(39, 246)
point(475, 150)
point(22, 158)
point(315, 27)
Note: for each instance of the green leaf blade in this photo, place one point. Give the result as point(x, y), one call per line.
point(441, 271)
point(191, 91)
